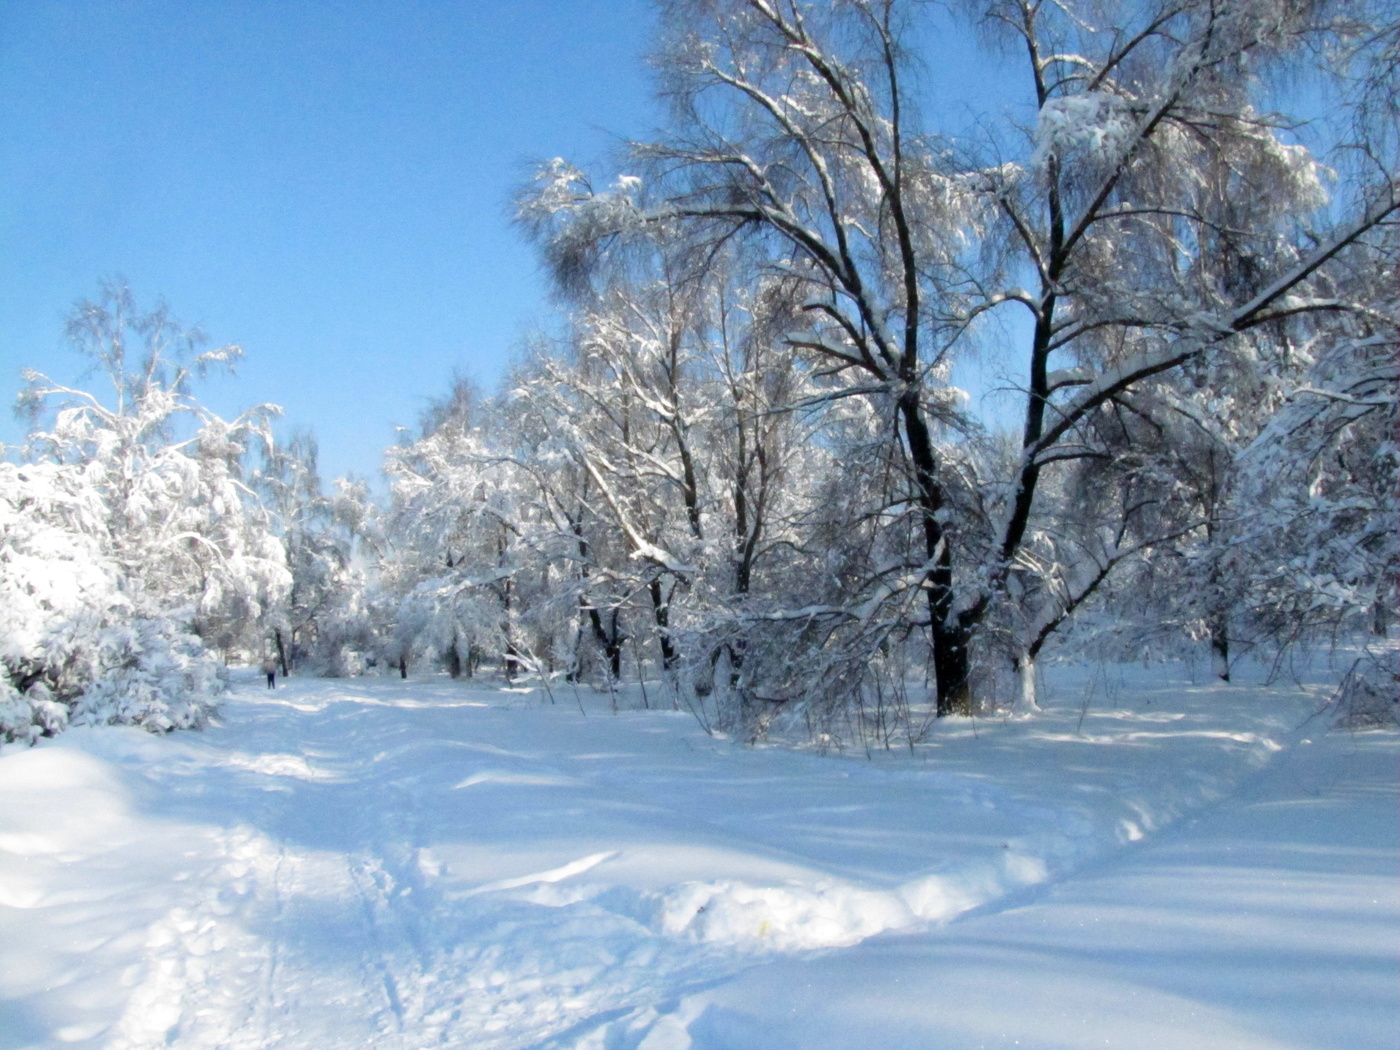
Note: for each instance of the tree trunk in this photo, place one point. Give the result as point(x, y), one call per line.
point(1220, 650)
point(454, 661)
point(950, 634)
point(1025, 675)
point(614, 648)
point(403, 667)
point(612, 645)
point(952, 670)
point(281, 652)
point(661, 611)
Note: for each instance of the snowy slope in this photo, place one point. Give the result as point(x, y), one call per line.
point(375, 863)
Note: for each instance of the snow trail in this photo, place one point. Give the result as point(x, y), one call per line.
point(385, 864)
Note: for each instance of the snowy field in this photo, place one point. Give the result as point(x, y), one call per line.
point(1152, 862)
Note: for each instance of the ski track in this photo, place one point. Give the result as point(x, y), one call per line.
point(313, 872)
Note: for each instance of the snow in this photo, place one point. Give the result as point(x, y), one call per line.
point(1153, 861)
point(1095, 123)
point(1273, 921)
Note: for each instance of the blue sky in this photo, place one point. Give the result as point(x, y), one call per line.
point(327, 184)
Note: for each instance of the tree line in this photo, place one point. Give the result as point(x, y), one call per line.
point(744, 475)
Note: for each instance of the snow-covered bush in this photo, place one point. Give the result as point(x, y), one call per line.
point(74, 649)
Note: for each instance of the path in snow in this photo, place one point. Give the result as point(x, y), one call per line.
point(383, 864)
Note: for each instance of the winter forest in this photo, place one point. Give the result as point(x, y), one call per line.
point(746, 473)
point(858, 420)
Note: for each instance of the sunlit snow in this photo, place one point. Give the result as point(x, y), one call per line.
point(374, 863)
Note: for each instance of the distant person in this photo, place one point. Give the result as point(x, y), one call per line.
point(269, 667)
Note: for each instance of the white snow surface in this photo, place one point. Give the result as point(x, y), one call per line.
point(1152, 862)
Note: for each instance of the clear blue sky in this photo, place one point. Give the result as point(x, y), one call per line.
point(327, 184)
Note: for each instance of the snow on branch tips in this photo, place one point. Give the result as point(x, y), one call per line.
point(132, 539)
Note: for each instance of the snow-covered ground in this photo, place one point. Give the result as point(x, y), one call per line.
point(1152, 862)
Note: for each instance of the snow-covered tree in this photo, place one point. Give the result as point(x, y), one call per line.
point(1319, 502)
point(180, 517)
point(1175, 238)
point(132, 537)
point(456, 554)
point(1164, 233)
point(322, 621)
point(790, 126)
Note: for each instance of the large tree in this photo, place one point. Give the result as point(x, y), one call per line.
point(1156, 225)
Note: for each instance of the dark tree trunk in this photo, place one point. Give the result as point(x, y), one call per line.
point(1220, 650)
point(281, 652)
point(610, 641)
point(454, 662)
point(403, 667)
point(614, 648)
point(661, 610)
point(953, 670)
point(950, 634)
